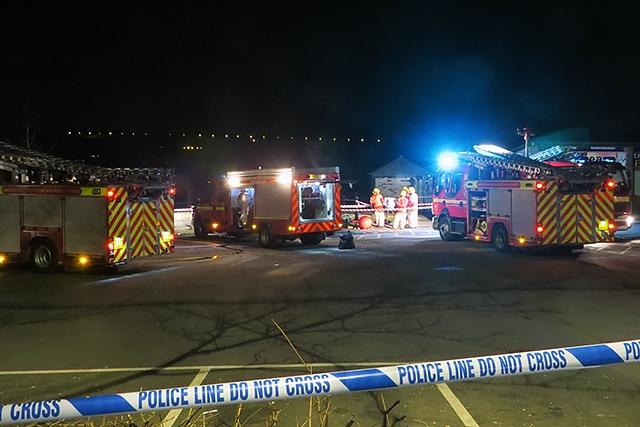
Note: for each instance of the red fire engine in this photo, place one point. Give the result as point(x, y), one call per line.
point(278, 204)
point(56, 212)
point(510, 200)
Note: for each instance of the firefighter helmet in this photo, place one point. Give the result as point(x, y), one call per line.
point(412, 190)
point(376, 190)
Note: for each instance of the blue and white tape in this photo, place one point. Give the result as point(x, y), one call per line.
point(530, 362)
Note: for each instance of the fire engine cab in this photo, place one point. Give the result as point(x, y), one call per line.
point(278, 204)
point(494, 195)
point(57, 212)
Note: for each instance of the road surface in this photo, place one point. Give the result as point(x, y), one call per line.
point(208, 314)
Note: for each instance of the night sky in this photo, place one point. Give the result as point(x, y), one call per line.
point(419, 76)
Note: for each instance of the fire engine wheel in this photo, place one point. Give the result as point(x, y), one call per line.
point(500, 238)
point(266, 238)
point(310, 239)
point(444, 227)
point(199, 231)
point(43, 257)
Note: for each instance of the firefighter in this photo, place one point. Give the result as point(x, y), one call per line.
point(400, 219)
point(243, 202)
point(413, 208)
point(377, 204)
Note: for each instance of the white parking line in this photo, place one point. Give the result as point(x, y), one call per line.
point(173, 414)
point(117, 279)
point(457, 406)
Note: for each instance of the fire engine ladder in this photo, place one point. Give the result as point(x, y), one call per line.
point(552, 153)
point(585, 174)
point(511, 161)
point(29, 166)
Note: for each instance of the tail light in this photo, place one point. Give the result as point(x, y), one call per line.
point(611, 184)
point(611, 226)
point(111, 193)
point(539, 185)
point(539, 229)
point(111, 255)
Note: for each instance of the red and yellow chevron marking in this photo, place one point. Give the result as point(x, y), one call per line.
point(574, 218)
point(143, 228)
point(568, 212)
point(585, 223)
point(604, 212)
point(337, 202)
point(314, 227)
point(118, 222)
point(165, 223)
point(295, 211)
point(547, 213)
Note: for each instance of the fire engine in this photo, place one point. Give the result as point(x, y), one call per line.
point(278, 204)
point(58, 212)
point(497, 196)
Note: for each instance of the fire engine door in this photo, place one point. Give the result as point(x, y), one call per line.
point(576, 219)
point(142, 228)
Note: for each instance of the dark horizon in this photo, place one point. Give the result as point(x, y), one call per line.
point(420, 76)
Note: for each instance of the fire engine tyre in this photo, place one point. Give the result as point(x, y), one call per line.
point(43, 256)
point(444, 227)
point(500, 238)
point(266, 238)
point(310, 239)
point(199, 231)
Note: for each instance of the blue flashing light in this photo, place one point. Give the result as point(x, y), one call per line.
point(447, 161)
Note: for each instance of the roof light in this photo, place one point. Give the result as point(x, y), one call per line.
point(284, 178)
point(448, 161)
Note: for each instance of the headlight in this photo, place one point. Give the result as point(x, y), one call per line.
point(630, 220)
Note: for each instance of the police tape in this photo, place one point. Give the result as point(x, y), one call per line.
point(367, 208)
point(322, 384)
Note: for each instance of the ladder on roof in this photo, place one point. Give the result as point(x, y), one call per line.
point(504, 159)
point(25, 164)
point(548, 154)
point(510, 161)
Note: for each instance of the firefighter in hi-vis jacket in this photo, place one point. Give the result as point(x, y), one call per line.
point(377, 203)
point(400, 220)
